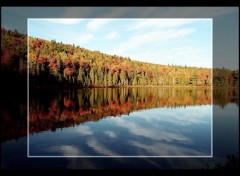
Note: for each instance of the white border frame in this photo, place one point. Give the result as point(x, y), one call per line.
point(134, 156)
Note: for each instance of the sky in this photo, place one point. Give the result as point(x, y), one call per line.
point(162, 41)
point(225, 35)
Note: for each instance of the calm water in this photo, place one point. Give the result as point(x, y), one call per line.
point(160, 122)
point(122, 122)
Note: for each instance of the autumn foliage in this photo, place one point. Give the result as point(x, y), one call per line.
point(57, 64)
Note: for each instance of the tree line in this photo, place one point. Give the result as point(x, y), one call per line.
point(53, 63)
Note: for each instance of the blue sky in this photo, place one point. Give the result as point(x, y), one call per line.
point(182, 41)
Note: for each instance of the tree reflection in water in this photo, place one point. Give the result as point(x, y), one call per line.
point(73, 107)
point(50, 110)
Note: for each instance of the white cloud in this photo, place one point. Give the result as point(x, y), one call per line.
point(102, 150)
point(187, 55)
point(153, 133)
point(111, 35)
point(83, 38)
point(84, 130)
point(161, 23)
point(66, 150)
point(110, 134)
point(161, 149)
point(95, 24)
point(181, 116)
point(66, 21)
point(151, 38)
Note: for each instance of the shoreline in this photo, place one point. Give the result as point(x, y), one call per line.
point(58, 87)
point(147, 86)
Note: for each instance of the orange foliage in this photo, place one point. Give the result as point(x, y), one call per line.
point(68, 103)
point(69, 71)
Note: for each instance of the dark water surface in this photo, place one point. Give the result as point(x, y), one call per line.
point(174, 124)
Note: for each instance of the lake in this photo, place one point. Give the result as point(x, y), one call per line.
point(161, 126)
point(121, 122)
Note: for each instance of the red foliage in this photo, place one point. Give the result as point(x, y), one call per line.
point(6, 58)
point(37, 43)
point(68, 103)
point(82, 62)
point(150, 74)
point(68, 63)
point(163, 101)
point(42, 60)
point(53, 109)
point(81, 112)
point(69, 71)
point(116, 68)
point(53, 66)
point(32, 117)
point(150, 98)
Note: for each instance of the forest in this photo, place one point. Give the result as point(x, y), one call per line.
point(54, 64)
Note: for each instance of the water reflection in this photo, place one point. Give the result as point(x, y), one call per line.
point(73, 107)
point(14, 126)
point(122, 122)
point(14, 113)
point(145, 133)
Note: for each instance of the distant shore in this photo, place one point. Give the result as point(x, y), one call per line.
point(23, 88)
point(129, 86)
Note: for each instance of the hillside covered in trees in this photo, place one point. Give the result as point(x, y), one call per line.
point(57, 64)
point(13, 67)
